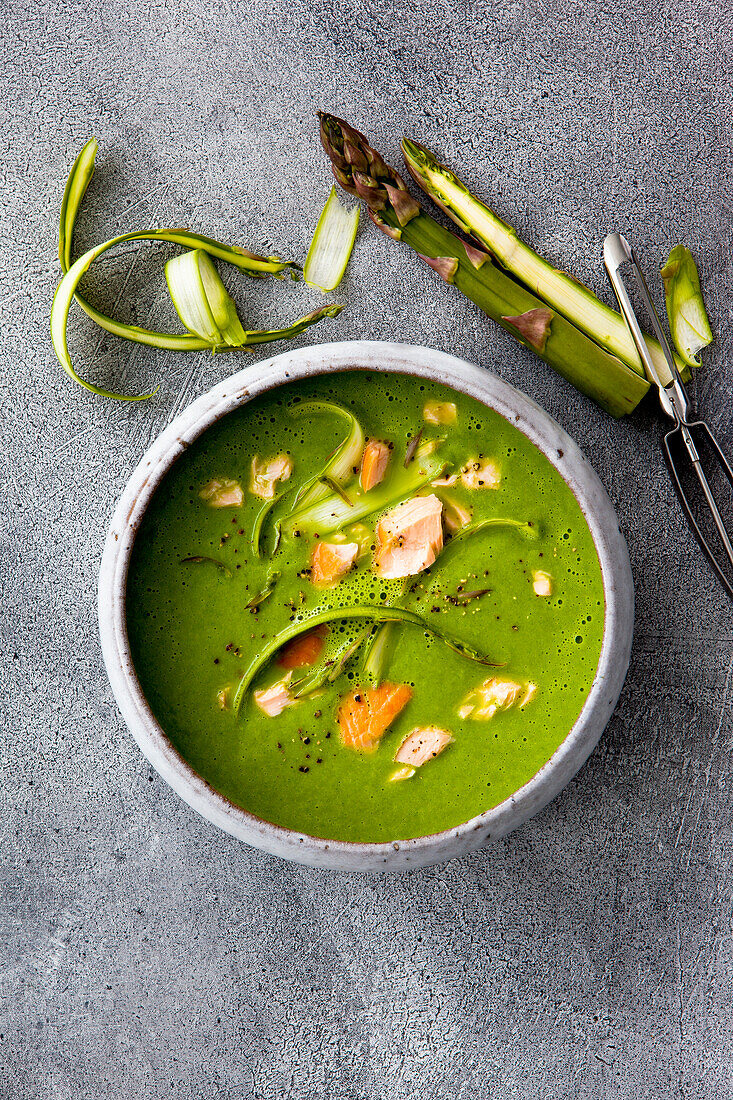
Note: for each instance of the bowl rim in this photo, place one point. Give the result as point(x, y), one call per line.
point(524, 414)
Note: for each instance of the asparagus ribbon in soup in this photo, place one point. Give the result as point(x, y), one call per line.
point(407, 539)
point(360, 611)
point(339, 468)
point(330, 512)
point(377, 641)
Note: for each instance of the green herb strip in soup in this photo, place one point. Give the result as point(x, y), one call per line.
point(365, 607)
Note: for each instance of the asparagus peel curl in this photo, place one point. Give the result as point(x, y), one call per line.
point(362, 172)
point(560, 291)
point(193, 281)
point(688, 321)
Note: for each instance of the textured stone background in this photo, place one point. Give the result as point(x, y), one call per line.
point(142, 953)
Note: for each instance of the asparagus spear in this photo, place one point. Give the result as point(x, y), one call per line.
point(361, 171)
point(560, 291)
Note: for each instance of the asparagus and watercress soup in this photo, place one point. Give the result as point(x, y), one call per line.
point(365, 607)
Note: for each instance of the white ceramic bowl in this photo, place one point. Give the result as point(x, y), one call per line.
point(525, 415)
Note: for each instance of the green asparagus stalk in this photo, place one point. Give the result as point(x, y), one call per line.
point(361, 171)
point(688, 321)
point(560, 291)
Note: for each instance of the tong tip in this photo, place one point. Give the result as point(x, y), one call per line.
point(616, 251)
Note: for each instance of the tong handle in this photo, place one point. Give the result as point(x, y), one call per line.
point(685, 431)
point(618, 256)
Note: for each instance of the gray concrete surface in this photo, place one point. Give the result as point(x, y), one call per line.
point(143, 954)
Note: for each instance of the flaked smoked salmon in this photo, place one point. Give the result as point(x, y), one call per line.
point(374, 463)
point(273, 700)
point(266, 475)
point(481, 473)
point(409, 538)
point(494, 695)
point(440, 412)
point(423, 744)
point(330, 561)
point(541, 583)
point(304, 651)
point(366, 715)
point(222, 492)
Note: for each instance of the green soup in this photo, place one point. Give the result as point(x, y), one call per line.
point(192, 633)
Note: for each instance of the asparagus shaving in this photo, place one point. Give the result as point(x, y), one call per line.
point(340, 465)
point(560, 291)
point(81, 173)
point(259, 522)
point(331, 513)
point(66, 292)
point(201, 300)
point(376, 653)
point(201, 559)
point(379, 643)
point(361, 171)
point(270, 336)
point(336, 488)
point(411, 448)
point(688, 321)
point(338, 666)
point(360, 611)
point(329, 670)
point(265, 592)
point(249, 262)
point(527, 530)
point(332, 245)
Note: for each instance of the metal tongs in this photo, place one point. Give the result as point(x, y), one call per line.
point(617, 254)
